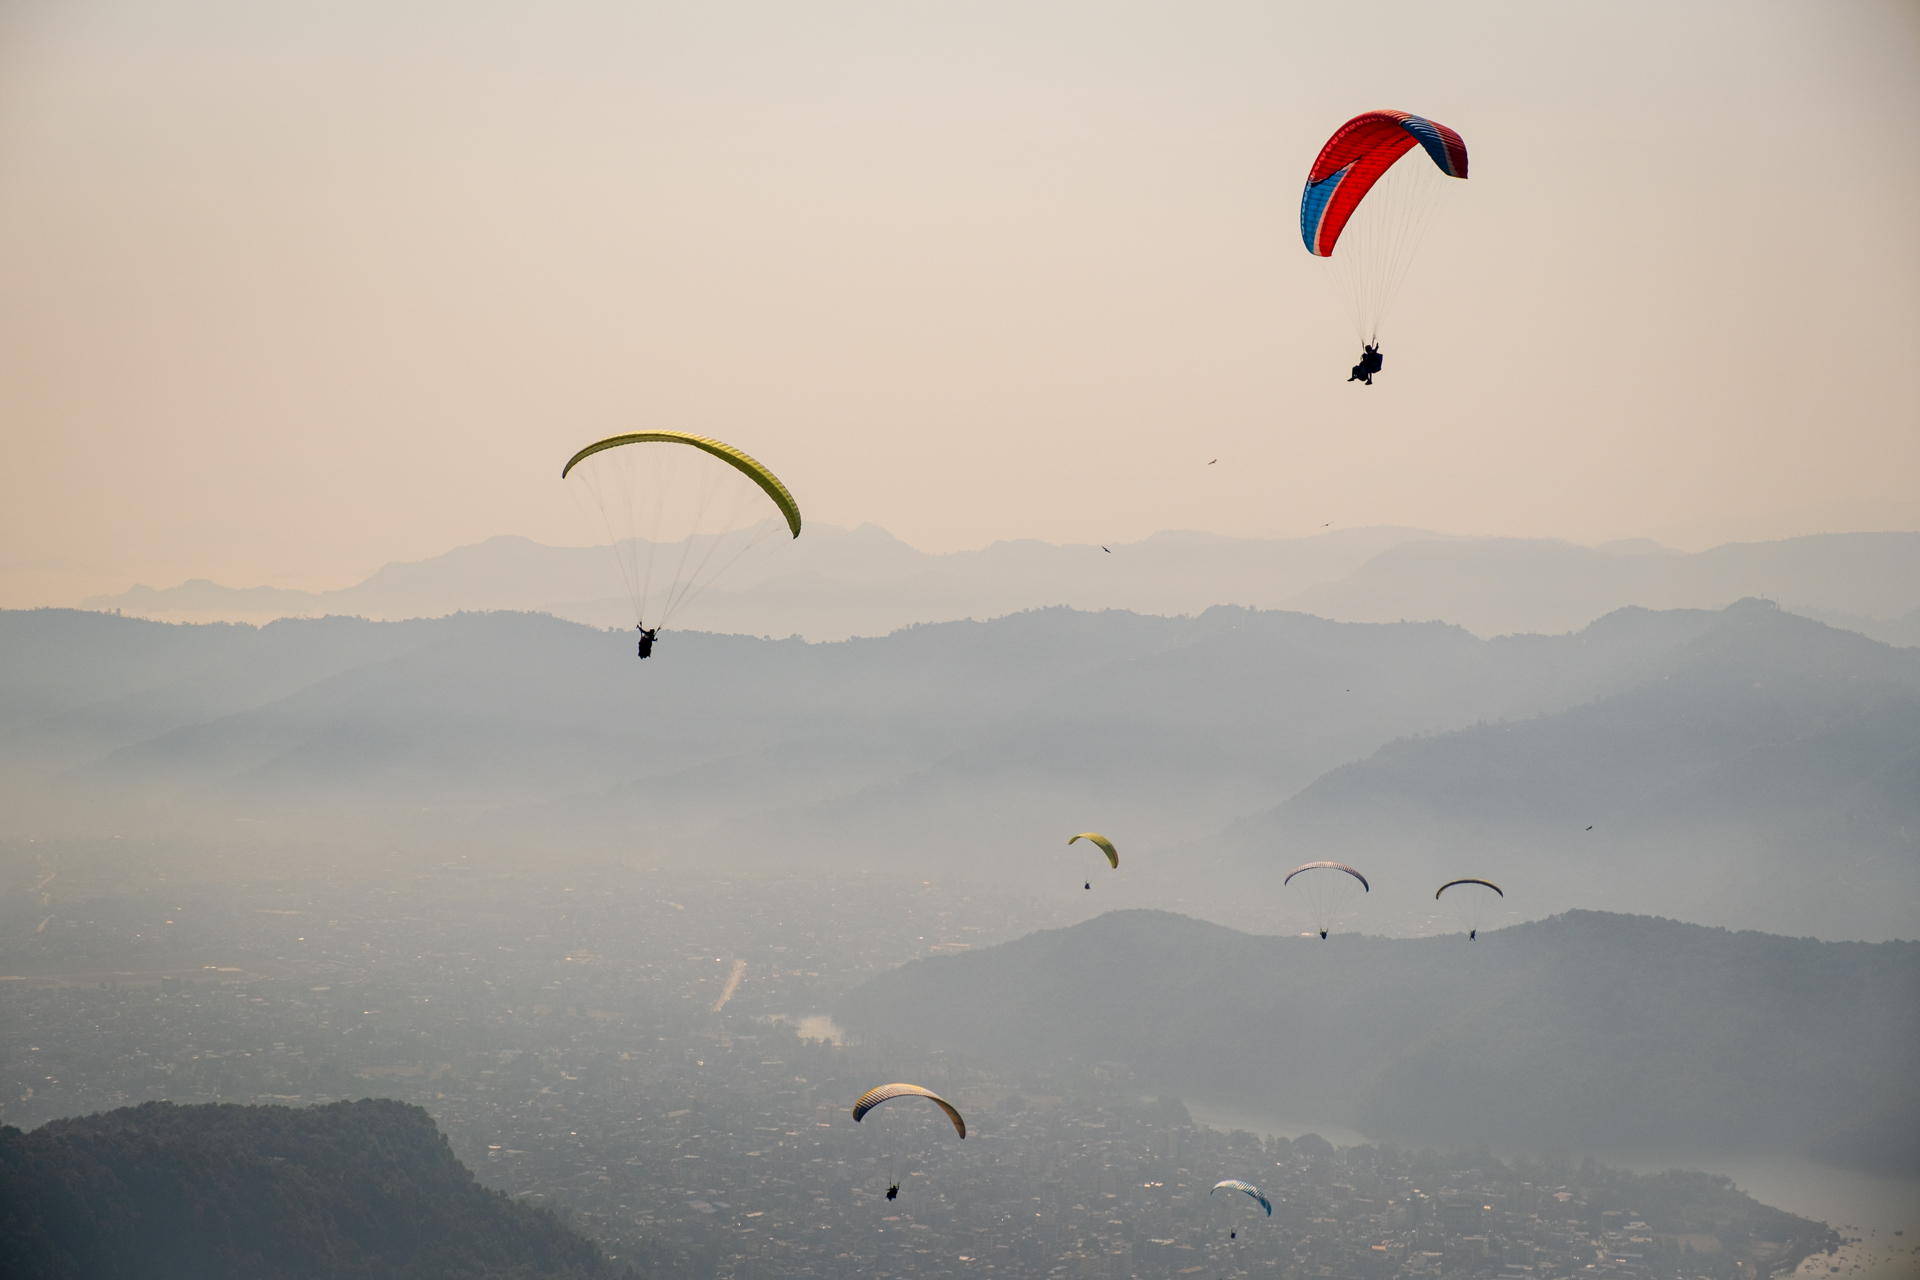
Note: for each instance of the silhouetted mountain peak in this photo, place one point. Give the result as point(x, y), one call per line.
point(1756, 639)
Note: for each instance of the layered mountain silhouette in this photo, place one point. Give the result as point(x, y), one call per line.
point(833, 583)
point(1744, 767)
point(1768, 771)
point(1497, 585)
point(1586, 1030)
point(828, 585)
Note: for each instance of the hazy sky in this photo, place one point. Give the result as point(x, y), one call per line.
point(291, 290)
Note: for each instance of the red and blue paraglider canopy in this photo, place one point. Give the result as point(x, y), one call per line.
point(1355, 157)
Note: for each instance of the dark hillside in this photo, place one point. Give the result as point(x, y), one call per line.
point(366, 1189)
point(1585, 1030)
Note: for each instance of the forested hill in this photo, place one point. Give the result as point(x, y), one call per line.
point(366, 1189)
point(1586, 1030)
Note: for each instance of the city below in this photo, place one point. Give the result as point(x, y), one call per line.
point(592, 1047)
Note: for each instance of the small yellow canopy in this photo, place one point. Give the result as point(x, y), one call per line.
point(874, 1097)
point(720, 449)
point(1113, 854)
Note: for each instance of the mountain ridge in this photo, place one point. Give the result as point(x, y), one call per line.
point(838, 582)
point(1216, 750)
point(1768, 743)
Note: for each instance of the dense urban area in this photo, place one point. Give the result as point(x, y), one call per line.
point(647, 1055)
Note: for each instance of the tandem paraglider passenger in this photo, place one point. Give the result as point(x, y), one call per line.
point(646, 639)
point(1369, 365)
point(1368, 197)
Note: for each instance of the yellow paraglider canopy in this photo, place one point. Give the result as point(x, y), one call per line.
point(733, 457)
point(680, 512)
point(1113, 854)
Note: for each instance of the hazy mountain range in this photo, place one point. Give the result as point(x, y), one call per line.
point(1747, 768)
point(833, 583)
point(1600, 1032)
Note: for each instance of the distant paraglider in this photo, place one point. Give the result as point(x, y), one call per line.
point(1329, 890)
point(886, 1093)
point(1106, 845)
point(680, 510)
point(1471, 903)
point(1368, 211)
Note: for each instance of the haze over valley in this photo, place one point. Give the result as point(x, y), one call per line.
point(1683, 762)
point(555, 877)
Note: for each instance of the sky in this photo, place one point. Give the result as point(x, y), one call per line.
point(291, 291)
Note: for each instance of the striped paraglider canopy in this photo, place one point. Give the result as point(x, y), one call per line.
point(887, 1092)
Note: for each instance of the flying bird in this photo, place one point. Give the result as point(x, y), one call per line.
point(1589, 828)
point(1215, 460)
point(1108, 552)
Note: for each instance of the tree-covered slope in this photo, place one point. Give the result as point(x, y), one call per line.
point(367, 1189)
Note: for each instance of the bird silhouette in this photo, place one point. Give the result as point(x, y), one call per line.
point(1108, 552)
point(1589, 828)
point(1215, 460)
